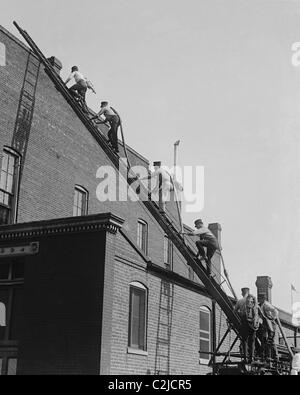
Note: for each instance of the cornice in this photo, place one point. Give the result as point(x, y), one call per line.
point(92, 223)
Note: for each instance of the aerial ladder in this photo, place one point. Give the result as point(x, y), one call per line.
point(213, 288)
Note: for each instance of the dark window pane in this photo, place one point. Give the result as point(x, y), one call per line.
point(142, 321)
point(204, 348)
point(17, 314)
point(4, 212)
point(142, 236)
point(137, 315)
point(12, 367)
point(204, 320)
point(80, 202)
point(18, 270)
point(4, 271)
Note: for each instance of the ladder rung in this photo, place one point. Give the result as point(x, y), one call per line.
point(164, 308)
point(163, 372)
point(34, 64)
point(164, 324)
point(33, 74)
point(30, 83)
point(27, 107)
point(28, 95)
point(162, 340)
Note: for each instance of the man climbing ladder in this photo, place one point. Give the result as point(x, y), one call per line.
point(79, 89)
point(114, 121)
point(207, 240)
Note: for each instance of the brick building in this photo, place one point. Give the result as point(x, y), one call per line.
point(86, 286)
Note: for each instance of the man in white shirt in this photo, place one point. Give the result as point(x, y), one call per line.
point(162, 184)
point(80, 86)
point(114, 121)
point(207, 240)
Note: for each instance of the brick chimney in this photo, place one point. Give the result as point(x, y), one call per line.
point(216, 229)
point(56, 64)
point(264, 287)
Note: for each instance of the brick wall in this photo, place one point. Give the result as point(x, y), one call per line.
point(61, 153)
point(184, 350)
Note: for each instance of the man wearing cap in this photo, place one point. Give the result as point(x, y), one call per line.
point(114, 121)
point(247, 309)
point(207, 239)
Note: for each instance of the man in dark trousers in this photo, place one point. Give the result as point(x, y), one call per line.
point(207, 240)
point(247, 309)
point(114, 121)
point(78, 90)
point(269, 315)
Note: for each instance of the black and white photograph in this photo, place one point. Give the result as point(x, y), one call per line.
point(150, 190)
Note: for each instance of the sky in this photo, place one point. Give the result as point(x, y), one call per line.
point(219, 76)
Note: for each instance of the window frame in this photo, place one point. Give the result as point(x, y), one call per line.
point(207, 310)
point(13, 195)
point(84, 192)
point(142, 239)
point(138, 349)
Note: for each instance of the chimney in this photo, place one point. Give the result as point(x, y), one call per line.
point(216, 230)
point(264, 286)
point(56, 64)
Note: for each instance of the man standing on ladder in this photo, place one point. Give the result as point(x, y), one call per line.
point(247, 309)
point(207, 240)
point(268, 328)
point(114, 121)
point(78, 90)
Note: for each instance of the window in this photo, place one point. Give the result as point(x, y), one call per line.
point(8, 363)
point(168, 253)
point(11, 299)
point(142, 236)
point(12, 366)
point(205, 334)
point(9, 178)
point(80, 206)
point(137, 333)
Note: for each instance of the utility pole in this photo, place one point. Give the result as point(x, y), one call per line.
point(176, 145)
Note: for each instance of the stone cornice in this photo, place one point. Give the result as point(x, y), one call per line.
point(92, 223)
